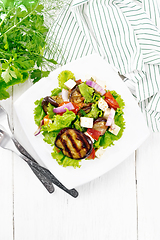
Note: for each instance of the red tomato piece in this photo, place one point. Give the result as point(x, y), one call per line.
point(111, 101)
point(61, 104)
point(46, 120)
point(76, 108)
point(94, 133)
point(92, 155)
point(79, 81)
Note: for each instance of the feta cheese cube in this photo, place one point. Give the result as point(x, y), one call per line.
point(97, 80)
point(99, 153)
point(114, 129)
point(89, 136)
point(86, 122)
point(65, 94)
point(70, 83)
point(101, 83)
point(106, 113)
point(102, 104)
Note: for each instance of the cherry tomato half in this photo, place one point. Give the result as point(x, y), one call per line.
point(93, 133)
point(92, 155)
point(111, 100)
point(76, 108)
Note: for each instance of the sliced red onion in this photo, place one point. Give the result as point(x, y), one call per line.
point(39, 128)
point(37, 131)
point(96, 86)
point(110, 118)
point(62, 108)
point(65, 94)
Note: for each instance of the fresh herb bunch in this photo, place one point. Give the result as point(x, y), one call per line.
point(22, 42)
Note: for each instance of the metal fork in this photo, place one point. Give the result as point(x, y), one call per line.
point(47, 175)
point(4, 120)
point(6, 142)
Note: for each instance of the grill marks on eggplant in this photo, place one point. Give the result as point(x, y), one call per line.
point(73, 143)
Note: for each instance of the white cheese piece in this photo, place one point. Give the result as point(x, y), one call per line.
point(86, 122)
point(47, 121)
point(97, 80)
point(70, 83)
point(65, 94)
point(114, 129)
point(89, 136)
point(107, 112)
point(102, 104)
point(101, 83)
point(99, 153)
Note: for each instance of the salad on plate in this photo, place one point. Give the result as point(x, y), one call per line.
point(79, 119)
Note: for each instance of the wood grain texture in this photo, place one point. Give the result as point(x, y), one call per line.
point(6, 199)
point(105, 208)
point(6, 188)
point(148, 188)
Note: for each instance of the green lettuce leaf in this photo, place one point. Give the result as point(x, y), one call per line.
point(96, 96)
point(63, 77)
point(60, 122)
point(38, 112)
point(63, 160)
point(86, 92)
point(108, 138)
point(49, 137)
point(56, 91)
point(104, 141)
point(76, 124)
point(95, 111)
point(50, 112)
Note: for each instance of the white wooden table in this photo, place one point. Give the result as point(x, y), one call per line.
point(123, 204)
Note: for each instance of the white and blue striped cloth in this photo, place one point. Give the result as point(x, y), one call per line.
point(126, 33)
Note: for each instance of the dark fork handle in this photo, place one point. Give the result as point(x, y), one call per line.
point(45, 172)
point(48, 185)
point(45, 181)
point(54, 180)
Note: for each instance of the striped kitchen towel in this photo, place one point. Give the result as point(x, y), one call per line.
point(126, 33)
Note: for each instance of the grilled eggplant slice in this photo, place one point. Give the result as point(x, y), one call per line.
point(100, 125)
point(47, 100)
point(75, 96)
point(74, 143)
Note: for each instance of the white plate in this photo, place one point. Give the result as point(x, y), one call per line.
point(135, 133)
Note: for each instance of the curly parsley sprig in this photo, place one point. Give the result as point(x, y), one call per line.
point(22, 42)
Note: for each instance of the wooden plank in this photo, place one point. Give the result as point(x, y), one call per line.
point(105, 208)
point(6, 187)
point(148, 188)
